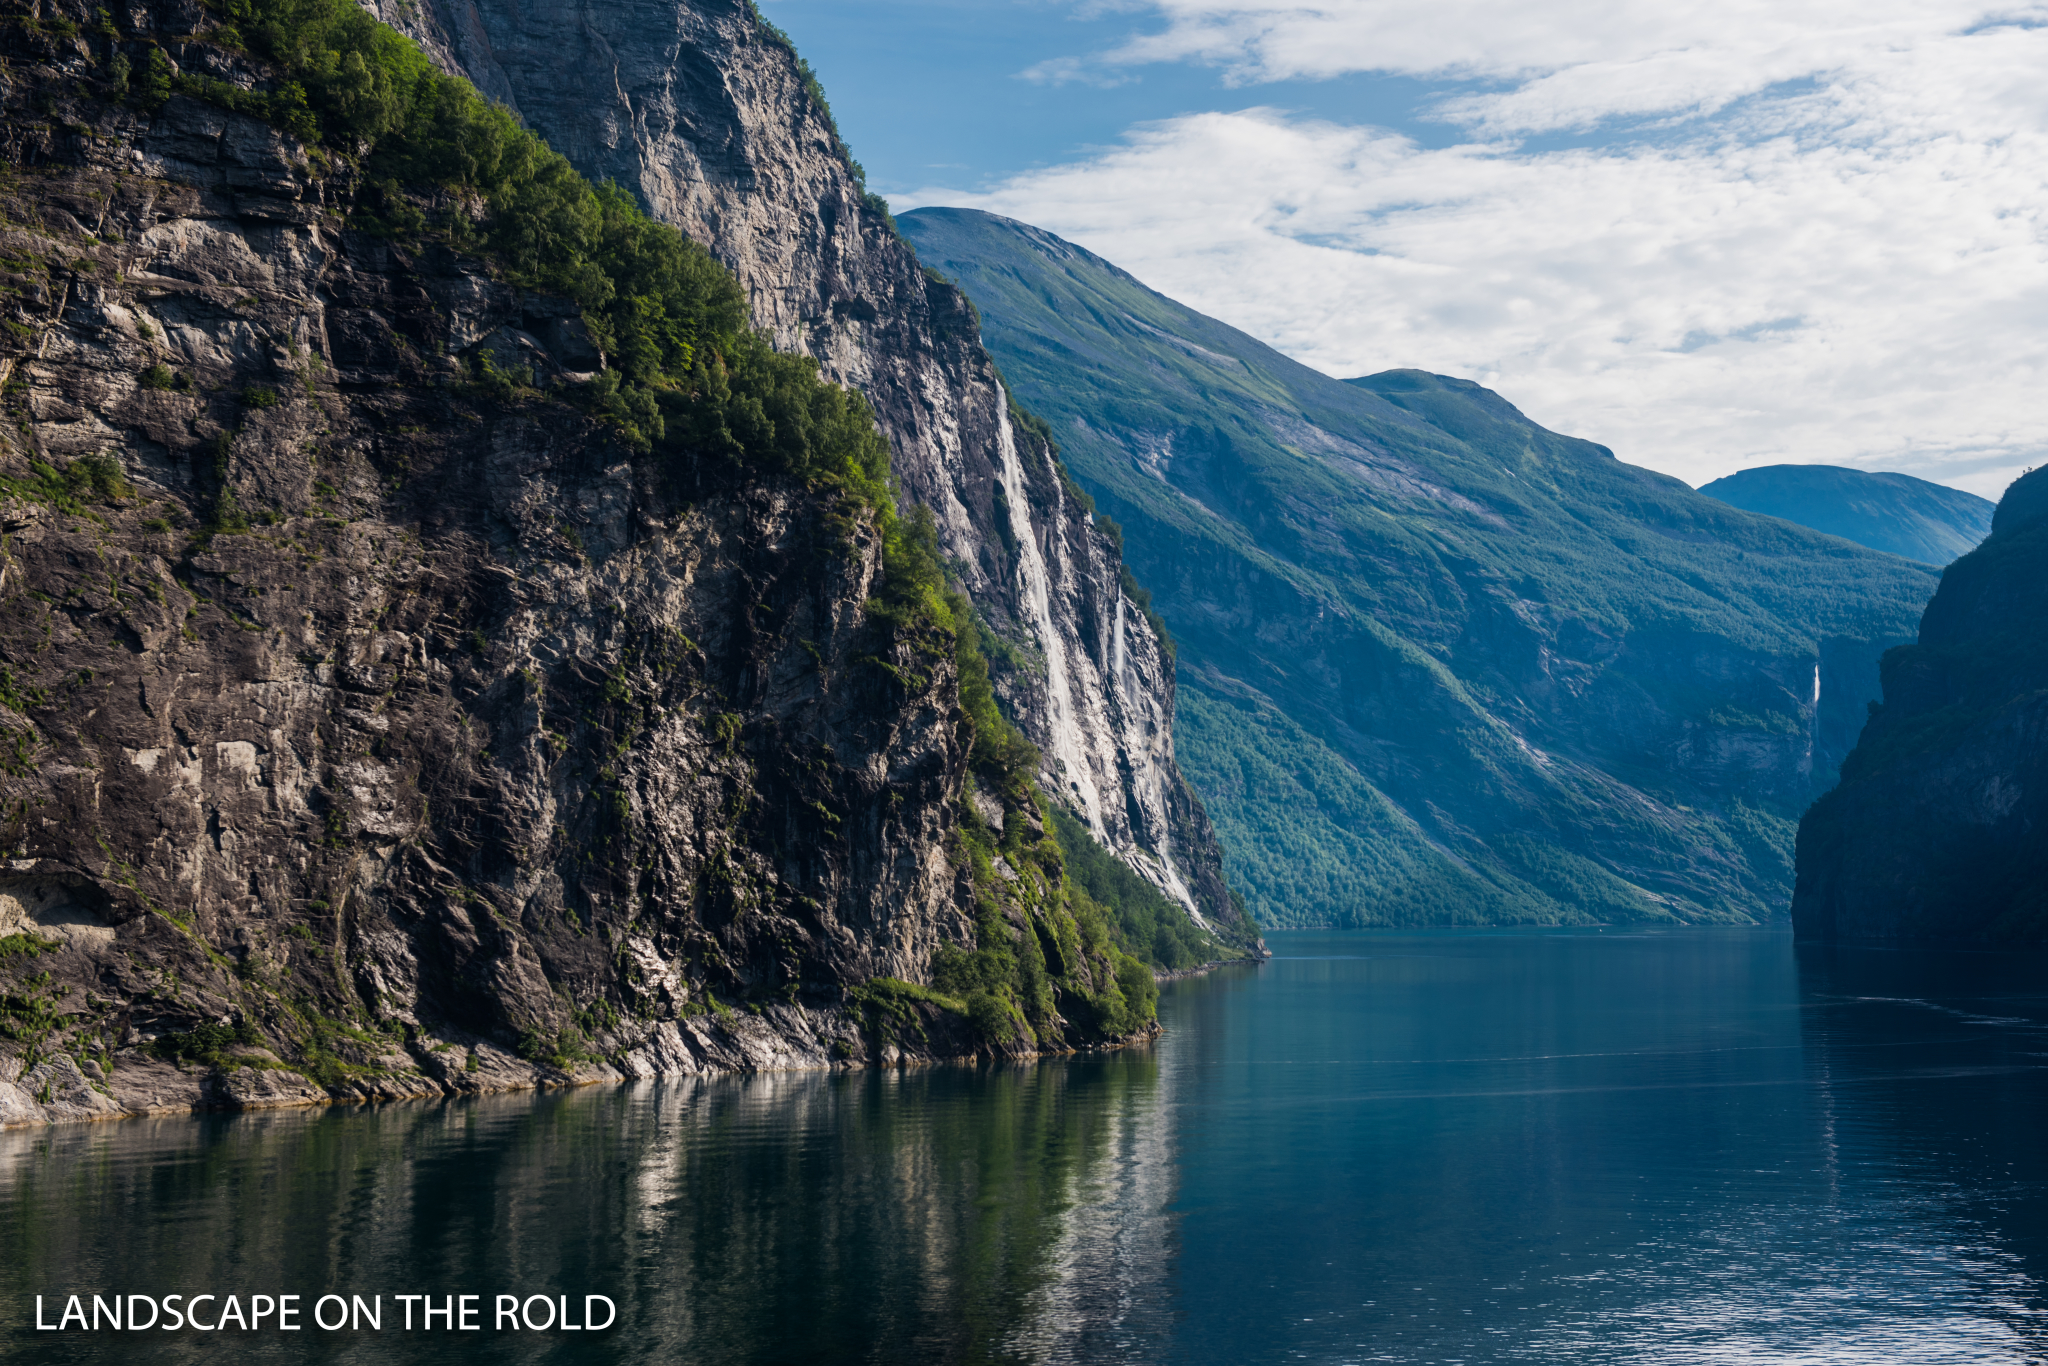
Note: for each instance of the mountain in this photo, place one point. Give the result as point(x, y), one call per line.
point(458, 632)
point(710, 118)
point(1437, 663)
point(1931, 523)
point(1939, 828)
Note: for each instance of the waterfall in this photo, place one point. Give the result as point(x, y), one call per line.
point(1066, 755)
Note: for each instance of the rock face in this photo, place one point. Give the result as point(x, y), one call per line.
point(367, 731)
point(1939, 829)
point(704, 113)
point(1438, 664)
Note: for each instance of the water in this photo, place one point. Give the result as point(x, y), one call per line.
point(1454, 1147)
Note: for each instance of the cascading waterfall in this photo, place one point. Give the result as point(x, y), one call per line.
point(1064, 750)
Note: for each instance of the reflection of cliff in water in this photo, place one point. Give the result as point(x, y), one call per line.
point(1930, 1070)
point(950, 1214)
point(1104, 1291)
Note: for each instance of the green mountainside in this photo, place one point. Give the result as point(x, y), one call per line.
point(1939, 829)
point(1438, 664)
point(1931, 523)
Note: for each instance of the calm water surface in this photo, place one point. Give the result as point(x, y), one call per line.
point(1452, 1147)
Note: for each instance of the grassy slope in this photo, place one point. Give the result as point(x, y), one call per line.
point(1345, 565)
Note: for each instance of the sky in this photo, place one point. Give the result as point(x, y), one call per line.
point(1710, 236)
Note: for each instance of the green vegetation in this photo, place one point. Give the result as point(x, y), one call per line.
point(690, 385)
point(19, 697)
point(1001, 756)
point(29, 1016)
point(1312, 841)
point(1143, 921)
point(682, 363)
point(1927, 522)
point(26, 945)
point(1045, 950)
point(561, 1049)
point(208, 1045)
point(86, 480)
point(889, 1006)
point(155, 86)
point(1072, 963)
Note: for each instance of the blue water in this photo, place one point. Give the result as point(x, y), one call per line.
point(1693, 1146)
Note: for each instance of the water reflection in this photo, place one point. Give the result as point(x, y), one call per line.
point(1931, 1074)
point(1580, 1147)
point(951, 1214)
point(1684, 1147)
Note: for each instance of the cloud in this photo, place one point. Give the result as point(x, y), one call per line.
point(1077, 71)
point(1847, 263)
point(1565, 66)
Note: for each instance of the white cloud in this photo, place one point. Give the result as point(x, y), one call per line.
point(1569, 65)
point(1847, 262)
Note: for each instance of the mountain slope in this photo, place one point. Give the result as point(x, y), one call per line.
point(1448, 666)
point(708, 117)
point(1927, 522)
point(1939, 829)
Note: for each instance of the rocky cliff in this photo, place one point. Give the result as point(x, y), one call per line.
point(380, 719)
point(708, 115)
point(1939, 829)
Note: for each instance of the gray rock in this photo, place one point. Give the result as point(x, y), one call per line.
point(700, 111)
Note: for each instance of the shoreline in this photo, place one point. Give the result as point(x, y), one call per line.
point(1203, 969)
point(58, 1091)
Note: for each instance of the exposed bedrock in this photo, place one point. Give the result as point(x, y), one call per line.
point(704, 114)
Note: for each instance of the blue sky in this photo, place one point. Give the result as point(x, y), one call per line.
point(931, 91)
point(1710, 235)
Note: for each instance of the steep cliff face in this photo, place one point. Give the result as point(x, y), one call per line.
point(377, 725)
point(704, 113)
point(1939, 829)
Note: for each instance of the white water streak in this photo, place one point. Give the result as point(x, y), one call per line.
point(1066, 755)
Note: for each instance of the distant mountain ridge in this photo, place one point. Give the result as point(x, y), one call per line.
point(1438, 664)
point(1923, 521)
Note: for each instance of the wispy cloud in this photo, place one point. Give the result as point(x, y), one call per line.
point(1833, 247)
point(1566, 65)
